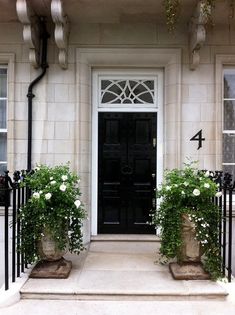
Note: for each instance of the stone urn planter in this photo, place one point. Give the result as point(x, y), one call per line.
point(189, 265)
point(48, 249)
point(51, 220)
point(52, 263)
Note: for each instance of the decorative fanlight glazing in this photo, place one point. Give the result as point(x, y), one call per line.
point(128, 91)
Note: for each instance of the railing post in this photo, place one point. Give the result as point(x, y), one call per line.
point(230, 218)
point(6, 229)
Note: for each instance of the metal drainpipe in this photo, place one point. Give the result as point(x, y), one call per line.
point(43, 64)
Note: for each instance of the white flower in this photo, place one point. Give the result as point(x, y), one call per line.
point(77, 203)
point(64, 177)
point(175, 185)
point(207, 174)
point(218, 194)
point(63, 187)
point(196, 192)
point(53, 182)
point(206, 185)
point(40, 192)
point(168, 187)
point(51, 178)
point(212, 174)
point(36, 195)
point(48, 196)
point(182, 192)
point(186, 184)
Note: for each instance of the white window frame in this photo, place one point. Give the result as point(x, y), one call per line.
point(225, 131)
point(127, 75)
point(8, 60)
point(4, 130)
point(157, 107)
point(222, 62)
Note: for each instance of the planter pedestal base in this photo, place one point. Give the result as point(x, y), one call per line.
point(58, 269)
point(188, 271)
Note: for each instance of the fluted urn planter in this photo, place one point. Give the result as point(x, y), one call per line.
point(189, 265)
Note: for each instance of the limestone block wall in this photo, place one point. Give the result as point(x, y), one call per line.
point(62, 114)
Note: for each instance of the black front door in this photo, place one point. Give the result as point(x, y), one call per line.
point(126, 172)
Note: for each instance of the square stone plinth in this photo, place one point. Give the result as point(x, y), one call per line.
point(58, 269)
point(188, 271)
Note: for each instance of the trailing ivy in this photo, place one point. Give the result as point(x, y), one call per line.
point(54, 206)
point(173, 8)
point(189, 191)
point(172, 12)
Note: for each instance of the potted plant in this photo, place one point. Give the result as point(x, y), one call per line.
point(51, 220)
point(187, 217)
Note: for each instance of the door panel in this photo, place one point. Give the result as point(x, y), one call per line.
point(126, 161)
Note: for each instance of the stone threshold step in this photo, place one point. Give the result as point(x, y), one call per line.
point(125, 238)
point(125, 297)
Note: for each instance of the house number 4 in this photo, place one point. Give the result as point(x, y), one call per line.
point(198, 137)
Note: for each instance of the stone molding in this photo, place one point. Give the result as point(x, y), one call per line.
point(60, 20)
point(88, 59)
point(197, 34)
point(31, 30)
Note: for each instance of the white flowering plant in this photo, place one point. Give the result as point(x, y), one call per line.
point(54, 205)
point(192, 192)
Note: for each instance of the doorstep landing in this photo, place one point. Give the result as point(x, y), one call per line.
point(121, 271)
point(126, 237)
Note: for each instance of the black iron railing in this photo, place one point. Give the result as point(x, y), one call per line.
point(12, 197)
point(226, 205)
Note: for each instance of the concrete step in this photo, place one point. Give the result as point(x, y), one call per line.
point(125, 238)
point(121, 271)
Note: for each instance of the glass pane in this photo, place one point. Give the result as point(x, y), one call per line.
point(229, 115)
point(127, 91)
point(229, 148)
point(3, 146)
point(3, 121)
point(3, 168)
point(3, 82)
point(229, 169)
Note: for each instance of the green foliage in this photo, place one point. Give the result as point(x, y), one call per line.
point(54, 206)
point(173, 8)
point(172, 11)
point(189, 191)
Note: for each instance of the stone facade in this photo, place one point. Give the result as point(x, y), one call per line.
point(62, 106)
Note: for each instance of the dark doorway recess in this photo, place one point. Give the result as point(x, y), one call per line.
point(126, 172)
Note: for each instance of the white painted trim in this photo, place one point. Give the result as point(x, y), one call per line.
point(129, 58)
point(221, 61)
point(8, 60)
point(125, 108)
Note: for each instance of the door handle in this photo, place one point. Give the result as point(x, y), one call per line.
point(154, 142)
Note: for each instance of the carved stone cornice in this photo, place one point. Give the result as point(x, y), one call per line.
point(31, 30)
point(197, 35)
point(61, 31)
